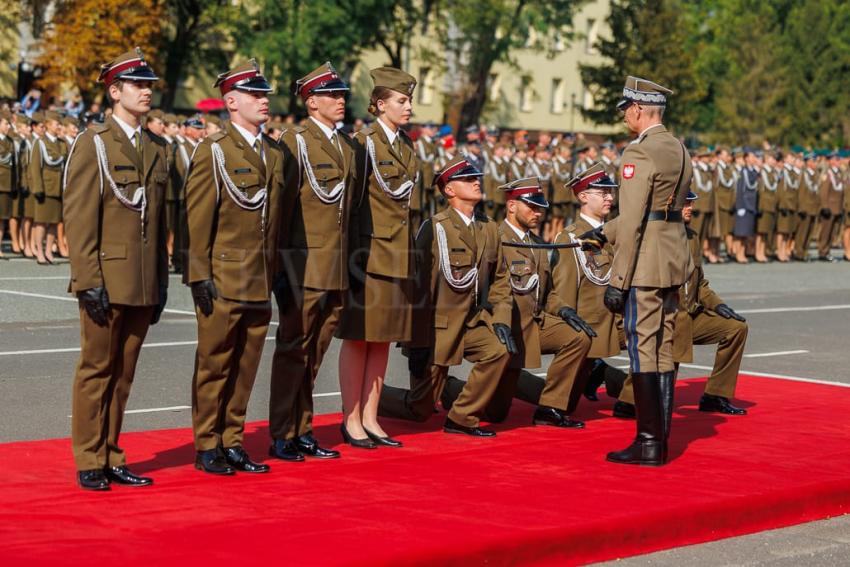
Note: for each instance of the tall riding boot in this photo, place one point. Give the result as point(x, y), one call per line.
point(649, 447)
point(668, 387)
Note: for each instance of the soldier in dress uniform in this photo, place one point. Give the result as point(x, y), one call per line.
point(703, 319)
point(808, 207)
point(543, 322)
point(380, 297)
point(610, 160)
point(463, 309)
point(114, 209)
point(769, 178)
point(845, 237)
point(8, 178)
point(313, 246)
point(426, 151)
point(562, 200)
point(179, 160)
point(518, 163)
point(831, 205)
point(495, 175)
point(703, 212)
point(46, 168)
point(233, 203)
point(725, 182)
point(23, 147)
point(787, 204)
point(540, 166)
point(651, 261)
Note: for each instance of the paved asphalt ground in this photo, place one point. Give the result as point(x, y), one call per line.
point(799, 316)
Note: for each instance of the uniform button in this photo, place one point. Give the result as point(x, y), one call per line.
point(404, 206)
point(404, 222)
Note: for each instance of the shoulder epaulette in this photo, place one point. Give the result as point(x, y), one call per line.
point(99, 128)
point(217, 136)
point(300, 129)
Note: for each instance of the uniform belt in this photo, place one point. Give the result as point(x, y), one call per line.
point(669, 216)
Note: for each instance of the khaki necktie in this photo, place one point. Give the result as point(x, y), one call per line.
point(137, 142)
point(397, 145)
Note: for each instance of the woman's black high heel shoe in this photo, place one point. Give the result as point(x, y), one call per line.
point(359, 443)
point(386, 441)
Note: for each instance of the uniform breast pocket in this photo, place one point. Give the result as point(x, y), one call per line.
point(125, 175)
point(113, 252)
point(387, 171)
point(245, 182)
point(230, 254)
point(461, 263)
point(327, 178)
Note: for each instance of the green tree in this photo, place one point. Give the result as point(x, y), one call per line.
point(653, 39)
point(477, 34)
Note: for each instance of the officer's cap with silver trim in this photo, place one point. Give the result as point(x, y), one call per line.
point(527, 190)
point(130, 66)
point(394, 79)
point(322, 79)
point(194, 121)
point(691, 196)
point(594, 177)
point(457, 168)
point(245, 77)
point(643, 92)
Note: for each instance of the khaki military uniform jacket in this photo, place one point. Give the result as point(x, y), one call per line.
point(110, 243)
point(832, 191)
point(808, 194)
point(585, 296)
point(516, 169)
point(529, 304)
point(788, 190)
point(426, 151)
point(442, 314)
point(703, 185)
point(725, 182)
point(234, 246)
point(8, 165)
point(313, 240)
point(495, 175)
point(767, 189)
point(651, 253)
point(381, 236)
point(24, 154)
point(46, 172)
point(561, 174)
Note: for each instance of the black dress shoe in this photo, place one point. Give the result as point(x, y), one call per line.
point(550, 416)
point(451, 427)
point(826, 258)
point(624, 410)
point(359, 443)
point(237, 458)
point(719, 404)
point(93, 480)
point(385, 441)
point(308, 445)
point(122, 475)
point(212, 462)
point(285, 449)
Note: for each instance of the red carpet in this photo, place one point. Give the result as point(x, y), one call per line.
point(530, 496)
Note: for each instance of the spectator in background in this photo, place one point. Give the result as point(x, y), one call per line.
point(74, 106)
point(31, 102)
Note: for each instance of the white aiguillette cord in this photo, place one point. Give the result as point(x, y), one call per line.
point(138, 202)
point(236, 195)
point(581, 263)
point(46, 157)
point(403, 190)
point(463, 283)
point(328, 197)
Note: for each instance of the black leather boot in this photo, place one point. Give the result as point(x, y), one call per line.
point(649, 447)
point(596, 378)
point(668, 387)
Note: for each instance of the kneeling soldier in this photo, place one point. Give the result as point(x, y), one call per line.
point(543, 322)
point(233, 191)
point(463, 309)
point(114, 206)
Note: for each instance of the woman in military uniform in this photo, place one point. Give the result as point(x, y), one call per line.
point(379, 303)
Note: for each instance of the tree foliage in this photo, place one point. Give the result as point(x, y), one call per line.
point(83, 34)
point(649, 39)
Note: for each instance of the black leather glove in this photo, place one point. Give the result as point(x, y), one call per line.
point(503, 333)
point(695, 214)
point(25, 192)
point(163, 298)
point(593, 238)
point(825, 213)
point(417, 360)
point(727, 312)
point(203, 294)
point(802, 215)
point(96, 303)
point(615, 299)
point(578, 324)
point(40, 197)
point(14, 193)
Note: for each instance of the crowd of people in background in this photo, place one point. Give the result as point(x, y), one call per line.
point(758, 204)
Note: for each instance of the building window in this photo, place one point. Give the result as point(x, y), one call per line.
point(590, 36)
point(494, 87)
point(526, 95)
point(586, 98)
point(557, 96)
point(560, 44)
point(426, 86)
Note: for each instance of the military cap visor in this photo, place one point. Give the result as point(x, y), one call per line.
point(691, 196)
point(134, 69)
point(327, 82)
point(462, 169)
point(527, 190)
point(643, 92)
point(246, 78)
point(194, 122)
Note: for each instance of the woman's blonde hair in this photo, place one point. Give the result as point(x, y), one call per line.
point(378, 93)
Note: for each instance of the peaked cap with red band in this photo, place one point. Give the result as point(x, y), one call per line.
point(457, 168)
point(592, 177)
point(128, 67)
point(323, 79)
point(527, 190)
point(246, 77)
